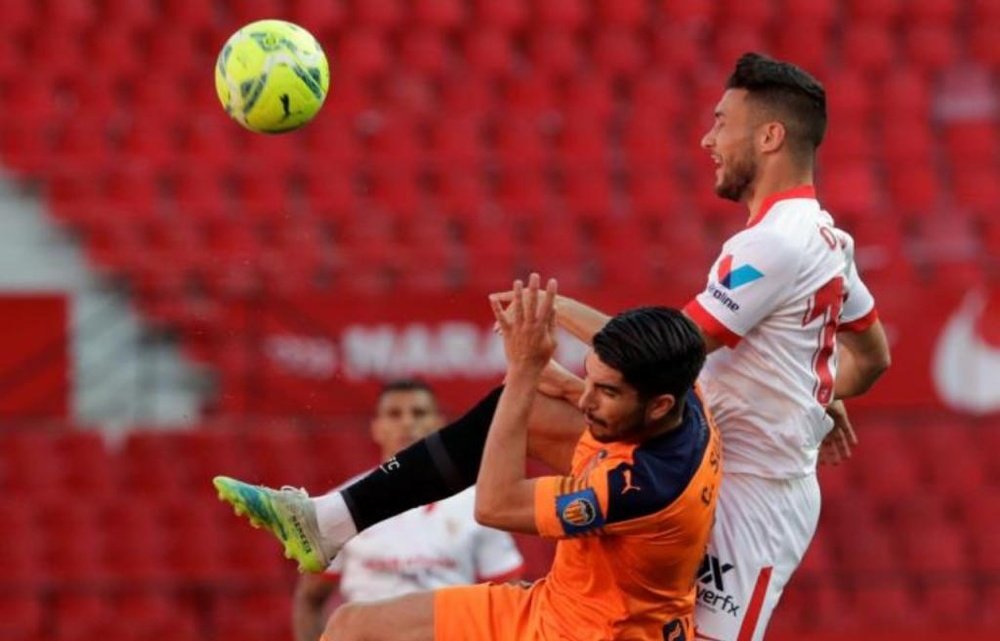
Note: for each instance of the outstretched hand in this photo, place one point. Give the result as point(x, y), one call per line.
point(528, 324)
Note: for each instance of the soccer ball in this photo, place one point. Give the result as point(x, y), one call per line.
point(272, 76)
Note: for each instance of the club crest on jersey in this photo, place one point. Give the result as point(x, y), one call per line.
point(735, 278)
point(579, 511)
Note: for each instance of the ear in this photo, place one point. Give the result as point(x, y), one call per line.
point(771, 137)
point(660, 406)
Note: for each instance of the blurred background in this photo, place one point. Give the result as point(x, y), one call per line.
point(180, 297)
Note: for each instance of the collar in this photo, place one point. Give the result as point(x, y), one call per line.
point(802, 191)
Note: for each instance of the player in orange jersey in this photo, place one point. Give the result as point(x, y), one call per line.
point(633, 512)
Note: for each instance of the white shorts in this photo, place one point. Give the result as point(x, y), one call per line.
point(762, 530)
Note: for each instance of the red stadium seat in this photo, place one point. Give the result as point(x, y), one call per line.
point(678, 47)
point(364, 53)
point(869, 47)
point(618, 52)
point(816, 12)
point(440, 15)
point(753, 14)
point(983, 43)
point(735, 39)
point(694, 13)
point(555, 54)
point(806, 43)
point(505, 15)
point(21, 617)
point(426, 52)
point(932, 12)
point(319, 18)
point(19, 14)
point(561, 15)
point(880, 12)
point(380, 15)
point(631, 14)
point(914, 188)
point(245, 11)
point(932, 48)
point(489, 52)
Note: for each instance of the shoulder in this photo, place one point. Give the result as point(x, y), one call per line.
point(661, 468)
point(771, 241)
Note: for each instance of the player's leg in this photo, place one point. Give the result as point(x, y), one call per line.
point(443, 464)
point(762, 530)
point(405, 618)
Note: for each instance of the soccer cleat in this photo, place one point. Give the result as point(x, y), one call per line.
point(287, 513)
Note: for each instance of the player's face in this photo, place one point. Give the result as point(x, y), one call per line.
point(403, 418)
point(611, 407)
point(730, 144)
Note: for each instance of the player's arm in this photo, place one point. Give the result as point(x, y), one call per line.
point(505, 499)
point(712, 342)
point(863, 356)
point(311, 594)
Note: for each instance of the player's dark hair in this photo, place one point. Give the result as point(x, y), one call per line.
point(791, 94)
point(658, 350)
point(405, 385)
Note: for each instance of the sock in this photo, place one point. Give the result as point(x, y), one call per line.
point(334, 520)
point(443, 464)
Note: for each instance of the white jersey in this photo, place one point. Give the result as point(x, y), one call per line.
point(428, 547)
point(777, 295)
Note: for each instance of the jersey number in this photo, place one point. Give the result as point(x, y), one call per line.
point(826, 303)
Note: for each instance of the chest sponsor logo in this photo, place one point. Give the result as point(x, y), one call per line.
point(735, 277)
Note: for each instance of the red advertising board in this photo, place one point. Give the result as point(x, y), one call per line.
point(34, 356)
point(318, 355)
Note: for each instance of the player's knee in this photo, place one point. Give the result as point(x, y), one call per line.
point(345, 624)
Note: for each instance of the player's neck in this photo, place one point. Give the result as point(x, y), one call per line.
point(662, 427)
point(775, 182)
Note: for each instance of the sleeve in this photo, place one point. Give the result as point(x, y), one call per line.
point(858, 313)
point(753, 277)
point(496, 555)
point(611, 499)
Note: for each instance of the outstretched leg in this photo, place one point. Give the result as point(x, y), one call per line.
point(442, 464)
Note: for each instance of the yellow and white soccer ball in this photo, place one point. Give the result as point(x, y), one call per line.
point(272, 76)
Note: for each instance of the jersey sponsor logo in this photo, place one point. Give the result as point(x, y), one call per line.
point(723, 298)
point(712, 589)
point(731, 278)
point(966, 362)
point(674, 631)
point(579, 511)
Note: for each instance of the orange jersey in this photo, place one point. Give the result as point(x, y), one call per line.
point(634, 520)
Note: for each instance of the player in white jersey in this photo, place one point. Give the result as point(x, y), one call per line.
point(798, 329)
point(423, 549)
point(791, 331)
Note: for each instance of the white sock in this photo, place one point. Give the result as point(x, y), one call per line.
point(334, 519)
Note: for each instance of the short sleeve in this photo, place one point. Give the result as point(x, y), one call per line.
point(496, 554)
point(613, 497)
point(751, 279)
point(859, 311)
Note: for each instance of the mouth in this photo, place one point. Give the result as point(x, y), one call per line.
point(593, 422)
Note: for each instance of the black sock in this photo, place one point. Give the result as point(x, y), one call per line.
point(443, 464)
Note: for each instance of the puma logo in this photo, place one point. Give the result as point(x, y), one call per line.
point(628, 483)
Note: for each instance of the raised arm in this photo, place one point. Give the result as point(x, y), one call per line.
point(505, 498)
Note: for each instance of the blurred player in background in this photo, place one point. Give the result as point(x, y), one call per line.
point(800, 333)
point(426, 548)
